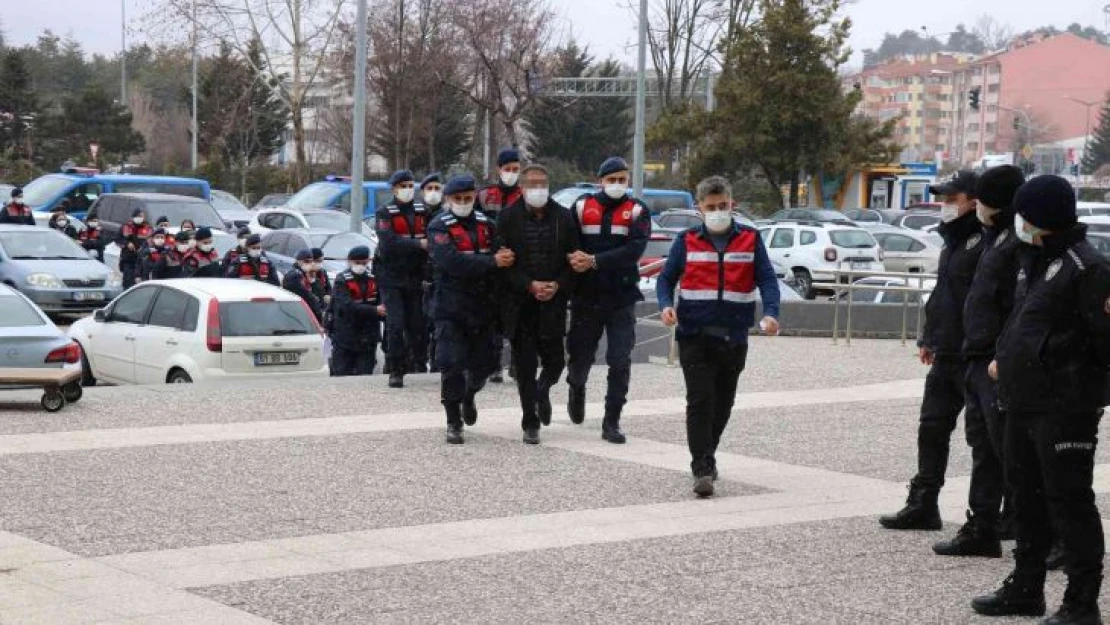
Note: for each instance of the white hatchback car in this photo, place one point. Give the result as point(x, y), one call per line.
point(813, 251)
point(182, 331)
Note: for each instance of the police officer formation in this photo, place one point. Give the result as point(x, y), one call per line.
point(1017, 336)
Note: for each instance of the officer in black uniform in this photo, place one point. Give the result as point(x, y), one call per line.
point(253, 265)
point(357, 309)
point(171, 264)
point(431, 188)
point(239, 250)
point(462, 247)
point(321, 282)
point(1051, 364)
point(151, 254)
point(403, 254)
point(941, 347)
point(203, 260)
point(132, 238)
point(987, 307)
point(614, 229)
point(299, 280)
point(92, 238)
point(16, 212)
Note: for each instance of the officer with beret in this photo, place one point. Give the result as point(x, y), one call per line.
point(203, 260)
point(941, 348)
point(240, 248)
point(357, 309)
point(1051, 365)
point(300, 280)
point(400, 269)
point(614, 228)
point(988, 304)
point(463, 249)
point(171, 264)
point(321, 282)
point(151, 253)
point(254, 265)
point(16, 212)
point(132, 237)
point(496, 198)
point(431, 188)
point(91, 238)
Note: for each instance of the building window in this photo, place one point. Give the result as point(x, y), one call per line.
point(994, 88)
point(996, 69)
point(973, 145)
point(992, 128)
point(940, 147)
point(921, 97)
point(973, 127)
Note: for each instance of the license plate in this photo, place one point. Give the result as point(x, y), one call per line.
point(262, 359)
point(94, 296)
point(860, 264)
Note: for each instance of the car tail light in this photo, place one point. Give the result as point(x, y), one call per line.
point(315, 322)
point(69, 354)
point(214, 338)
point(830, 254)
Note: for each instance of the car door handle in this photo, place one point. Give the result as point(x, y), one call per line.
point(786, 255)
point(129, 338)
point(171, 342)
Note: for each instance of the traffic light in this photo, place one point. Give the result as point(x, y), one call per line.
point(973, 98)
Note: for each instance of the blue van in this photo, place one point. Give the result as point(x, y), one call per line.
point(335, 193)
point(83, 187)
point(657, 200)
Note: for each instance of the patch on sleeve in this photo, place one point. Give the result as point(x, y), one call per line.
point(1054, 269)
point(442, 238)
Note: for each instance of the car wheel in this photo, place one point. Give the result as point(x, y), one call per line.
point(87, 377)
point(178, 376)
point(53, 401)
point(803, 283)
point(72, 392)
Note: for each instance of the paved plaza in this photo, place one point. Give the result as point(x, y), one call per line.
point(337, 502)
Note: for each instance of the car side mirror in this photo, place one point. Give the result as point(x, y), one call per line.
point(100, 315)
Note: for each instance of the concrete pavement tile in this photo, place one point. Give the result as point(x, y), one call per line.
point(15, 593)
point(60, 613)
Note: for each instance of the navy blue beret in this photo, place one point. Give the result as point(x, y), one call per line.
point(359, 252)
point(399, 176)
point(254, 239)
point(508, 155)
point(430, 178)
point(204, 233)
point(460, 184)
point(304, 254)
point(317, 253)
point(612, 165)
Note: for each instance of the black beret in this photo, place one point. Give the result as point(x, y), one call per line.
point(136, 212)
point(508, 155)
point(162, 220)
point(254, 239)
point(359, 252)
point(17, 192)
point(304, 254)
point(402, 175)
point(612, 165)
point(317, 253)
point(460, 184)
point(204, 233)
point(244, 232)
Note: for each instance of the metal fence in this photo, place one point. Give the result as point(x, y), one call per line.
point(840, 287)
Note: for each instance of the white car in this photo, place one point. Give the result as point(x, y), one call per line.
point(813, 251)
point(321, 218)
point(1092, 209)
point(911, 251)
point(877, 296)
point(222, 241)
point(1096, 223)
point(181, 331)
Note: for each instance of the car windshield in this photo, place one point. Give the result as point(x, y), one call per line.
point(658, 248)
point(45, 189)
point(330, 221)
point(851, 238)
point(41, 244)
point(224, 201)
point(317, 195)
point(189, 189)
point(659, 202)
point(336, 246)
point(274, 199)
point(15, 312)
point(825, 215)
point(264, 318)
point(200, 213)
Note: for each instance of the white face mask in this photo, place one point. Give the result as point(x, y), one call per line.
point(305, 267)
point(509, 178)
point(718, 221)
point(433, 197)
point(204, 247)
point(254, 253)
point(405, 195)
point(183, 247)
point(1026, 236)
point(158, 242)
point(137, 220)
point(616, 191)
point(536, 198)
point(93, 225)
point(243, 242)
point(949, 212)
point(358, 270)
point(462, 210)
point(62, 223)
point(985, 214)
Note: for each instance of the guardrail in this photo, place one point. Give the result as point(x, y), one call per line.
point(672, 349)
point(840, 287)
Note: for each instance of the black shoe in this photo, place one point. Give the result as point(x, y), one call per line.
point(1020, 595)
point(543, 408)
point(576, 404)
point(469, 411)
point(396, 380)
point(703, 486)
point(455, 434)
point(532, 436)
point(611, 431)
point(1006, 527)
point(387, 368)
point(497, 378)
point(715, 474)
point(920, 513)
point(975, 538)
point(1056, 558)
point(1080, 606)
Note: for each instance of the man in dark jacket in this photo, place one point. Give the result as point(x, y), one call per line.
point(203, 260)
point(91, 238)
point(16, 212)
point(300, 280)
point(357, 310)
point(132, 239)
point(431, 188)
point(941, 347)
point(614, 229)
point(987, 307)
point(403, 255)
point(171, 264)
point(542, 236)
point(1051, 365)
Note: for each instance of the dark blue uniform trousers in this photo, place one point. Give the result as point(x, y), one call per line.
point(406, 331)
point(466, 356)
point(587, 323)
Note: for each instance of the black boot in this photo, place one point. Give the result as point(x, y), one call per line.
point(454, 423)
point(921, 512)
point(1080, 606)
point(1021, 594)
point(396, 380)
point(1056, 557)
point(469, 410)
point(543, 404)
point(576, 404)
point(611, 429)
point(976, 538)
point(703, 486)
point(532, 436)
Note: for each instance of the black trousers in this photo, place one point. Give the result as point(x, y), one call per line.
point(129, 270)
point(466, 356)
point(405, 327)
point(712, 369)
point(346, 361)
point(587, 323)
point(940, 408)
point(540, 331)
point(985, 428)
point(1050, 461)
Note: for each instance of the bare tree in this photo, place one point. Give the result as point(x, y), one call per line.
point(296, 37)
point(165, 131)
point(994, 34)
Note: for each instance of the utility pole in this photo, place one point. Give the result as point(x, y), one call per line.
point(1087, 105)
point(641, 92)
point(358, 141)
point(123, 52)
point(194, 123)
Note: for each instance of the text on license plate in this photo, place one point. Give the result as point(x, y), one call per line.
point(276, 358)
point(860, 264)
point(92, 296)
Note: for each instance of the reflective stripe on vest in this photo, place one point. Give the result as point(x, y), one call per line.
point(706, 267)
point(246, 270)
point(464, 243)
point(493, 199)
point(400, 225)
point(360, 296)
point(591, 216)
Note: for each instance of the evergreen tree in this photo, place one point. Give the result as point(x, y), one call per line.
point(1098, 152)
point(91, 116)
point(18, 104)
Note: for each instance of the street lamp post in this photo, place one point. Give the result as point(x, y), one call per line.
point(358, 141)
point(123, 52)
point(641, 89)
point(193, 147)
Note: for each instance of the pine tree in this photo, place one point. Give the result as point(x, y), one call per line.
point(18, 103)
point(1098, 152)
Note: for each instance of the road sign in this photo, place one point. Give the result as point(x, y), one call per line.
point(1027, 152)
point(94, 149)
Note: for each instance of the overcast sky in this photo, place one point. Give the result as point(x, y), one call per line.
point(607, 26)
